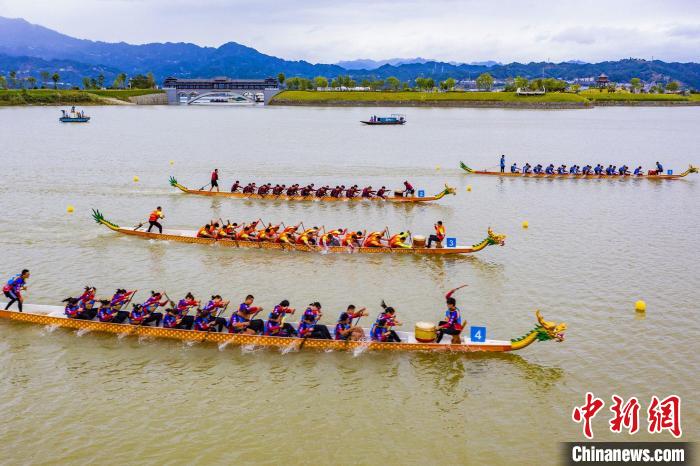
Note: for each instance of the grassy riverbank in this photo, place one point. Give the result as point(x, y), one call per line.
point(69, 97)
point(410, 98)
point(478, 99)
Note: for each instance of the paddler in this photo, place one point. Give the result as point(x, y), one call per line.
point(107, 314)
point(307, 190)
point(399, 241)
point(352, 191)
point(308, 237)
point(153, 219)
point(374, 240)
point(182, 308)
point(331, 238)
point(288, 235)
point(235, 186)
point(86, 301)
point(381, 192)
point(242, 320)
point(368, 192)
point(408, 189)
point(227, 231)
point(212, 312)
point(313, 314)
point(323, 191)
point(638, 171)
point(214, 180)
point(293, 190)
point(353, 239)
point(14, 287)
point(72, 309)
point(438, 236)
point(527, 168)
point(345, 330)
point(247, 233)
point(452, 325)
point(136, 316)
point(207, 231)
point(382, 328)
point(659, 168)
point(269, 233)
point(150, 308)
point(275, 325)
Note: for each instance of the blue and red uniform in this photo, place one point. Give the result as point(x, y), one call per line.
point(120, 298)
point(87, 298)
point(105, 314)
point(136, 316)
point(201, 323)
point(453, 319)
point(236, 318)
point(381, 327)
point(14, 286)
point(273, 327)
point(72, 310)
point(184, 305)
point(152, 303)
point(341, 326)
point(305, 328)
point(169, 320)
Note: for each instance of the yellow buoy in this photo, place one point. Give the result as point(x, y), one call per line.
point(640, 306)
point(525, 224)
point(70, 209)
point(172, 162)
point(469, 188)
point(136, 179)
point(437, 167)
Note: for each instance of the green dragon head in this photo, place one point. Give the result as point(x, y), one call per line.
point(494, 238)
point(692, 169)
point(448, 190)
point(99, 218)
point(549, 330)
point(465, 167)
point(173, 181)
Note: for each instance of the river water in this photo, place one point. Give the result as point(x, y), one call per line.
point(593, 248)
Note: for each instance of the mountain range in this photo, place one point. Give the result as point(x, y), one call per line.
point(30, 49)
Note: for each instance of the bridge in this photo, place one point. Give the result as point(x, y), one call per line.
point(220, 89)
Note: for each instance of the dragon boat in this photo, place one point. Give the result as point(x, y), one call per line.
point(190, 236)
point(691, 169)
point(284, 197)
point(54, 316)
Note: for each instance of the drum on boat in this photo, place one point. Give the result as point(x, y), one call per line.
point(425, 332)
point(418, 241)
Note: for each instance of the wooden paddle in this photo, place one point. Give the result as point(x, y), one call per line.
point(202, 188)
point(303, 340)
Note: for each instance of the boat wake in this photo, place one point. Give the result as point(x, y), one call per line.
point(222, 346)
point(246, 349)
point(121, 336)
point(361, 348)
point(49, 329)
point(292, 346)
point(82, 332)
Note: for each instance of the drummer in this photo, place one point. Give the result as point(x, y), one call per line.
point(452, 325)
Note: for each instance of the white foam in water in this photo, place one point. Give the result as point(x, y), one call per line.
point(191, 343)
point(292, 346)
point(82, 332)
point(361, 348)
point(247, 349)
point(121, 336)
point(222, 346)
point(50, 328)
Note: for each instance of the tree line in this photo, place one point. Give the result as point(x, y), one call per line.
point(121, 81)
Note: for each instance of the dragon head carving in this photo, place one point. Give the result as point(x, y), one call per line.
point(495, 238)
point(448, 190)
point(549, 330)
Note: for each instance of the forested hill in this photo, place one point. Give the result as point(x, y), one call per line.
point(30, 49)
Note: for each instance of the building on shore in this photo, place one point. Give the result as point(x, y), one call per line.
point(186, 91)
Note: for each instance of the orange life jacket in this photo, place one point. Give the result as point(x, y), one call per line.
point(440, 232)
point(155, 215)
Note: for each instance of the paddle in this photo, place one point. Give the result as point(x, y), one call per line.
point(303, 340)
point(202, 188)
point(136, 227)
point(211, 326)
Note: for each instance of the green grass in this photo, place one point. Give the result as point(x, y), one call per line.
point(124, 94)
point(410, 96)
point(46, 97)
point(67, 97)
point(625, 96)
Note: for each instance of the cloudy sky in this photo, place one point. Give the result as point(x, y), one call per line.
point(451, 30)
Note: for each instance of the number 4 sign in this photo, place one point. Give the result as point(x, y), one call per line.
point(477, 334)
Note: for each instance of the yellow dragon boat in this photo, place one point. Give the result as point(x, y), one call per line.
point(190, 236)
point(54, 316)
point(691, 169)
point(284, 197)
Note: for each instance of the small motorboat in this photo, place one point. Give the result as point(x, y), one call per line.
point(73, 116)
point(394, 119)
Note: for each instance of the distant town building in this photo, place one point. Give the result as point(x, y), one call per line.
point(602, 80)
point(220, 83)
point(180, 90)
